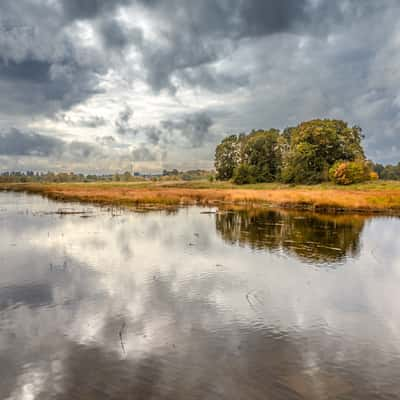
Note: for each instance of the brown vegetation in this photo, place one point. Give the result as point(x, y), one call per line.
point(324, 198)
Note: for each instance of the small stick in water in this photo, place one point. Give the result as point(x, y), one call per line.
point(120, 337)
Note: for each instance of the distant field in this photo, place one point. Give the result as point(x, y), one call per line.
point(377, 196)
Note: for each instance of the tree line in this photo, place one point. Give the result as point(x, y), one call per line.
point(311, 152)
point(388, 172)
point(62, 177)
point(66, 177)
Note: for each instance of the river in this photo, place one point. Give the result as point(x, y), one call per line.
point(196, 303)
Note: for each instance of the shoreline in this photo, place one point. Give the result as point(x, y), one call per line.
point(368, 199)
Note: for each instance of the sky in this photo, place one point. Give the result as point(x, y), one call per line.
point(98, 85)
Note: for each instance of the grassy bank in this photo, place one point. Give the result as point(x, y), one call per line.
point(381, 197)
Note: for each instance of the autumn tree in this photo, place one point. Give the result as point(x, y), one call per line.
point(316, 145)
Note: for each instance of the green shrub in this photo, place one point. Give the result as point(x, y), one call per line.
point(244, 174)
point(373, 176)
point(348, 172)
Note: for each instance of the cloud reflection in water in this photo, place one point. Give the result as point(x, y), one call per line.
point(169, 306)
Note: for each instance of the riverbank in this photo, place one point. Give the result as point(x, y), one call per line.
point(373, 197)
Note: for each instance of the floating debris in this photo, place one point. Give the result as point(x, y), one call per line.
point(62, 266)
point(66, 211)
point(253, 300)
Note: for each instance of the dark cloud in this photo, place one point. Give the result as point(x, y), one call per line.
point(143, 153)
point(202, 33)
point(181, 51)
point(123, 122)
point(106, 150)
point(234, 19)
point(194, 129)
point(125, 127)
point(82, 150)
point(88, 9)
point(44, 86)
point(114, 34)
point(208, 77)
point(179, 54)
point(29, 70)
point(258, 17)
point(186, 130)
point(17, 143)
point(43, 67)
point(153, 134)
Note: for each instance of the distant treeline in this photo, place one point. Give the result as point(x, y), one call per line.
point(311, 152)
point(31, 176)
point(190, 175)
point(64, 177)
point(388, 172)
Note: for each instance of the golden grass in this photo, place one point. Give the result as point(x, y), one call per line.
point(383, 197)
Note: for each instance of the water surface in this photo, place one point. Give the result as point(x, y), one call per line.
point(114, 304)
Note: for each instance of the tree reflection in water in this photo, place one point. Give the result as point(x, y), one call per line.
point(312, 237)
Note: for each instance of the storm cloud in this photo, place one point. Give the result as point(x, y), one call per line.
point(32, 148)
point(185, 130)
point(195, 129)
point(165, 76)
point(143, 153)
point(17, 143)
point(88, 9)
point(123, 122)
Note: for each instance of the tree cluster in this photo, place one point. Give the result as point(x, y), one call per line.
point(302, 154)
point(388, 172)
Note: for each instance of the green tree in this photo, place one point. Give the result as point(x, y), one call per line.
point(303, 165)
point(244, 174)
point(261, 151)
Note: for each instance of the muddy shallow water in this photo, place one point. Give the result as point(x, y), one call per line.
point(110, 304)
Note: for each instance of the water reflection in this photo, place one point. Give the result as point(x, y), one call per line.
point(157, 306)
point(315, 238)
